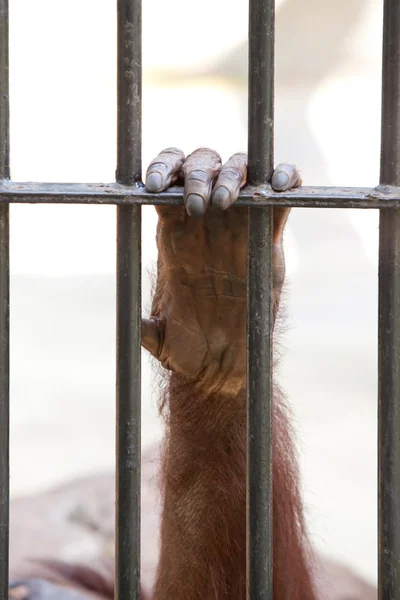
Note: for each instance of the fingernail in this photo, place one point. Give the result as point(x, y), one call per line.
point(154, 182)
point(221, 197)
point(280, 181)
point(195, 205)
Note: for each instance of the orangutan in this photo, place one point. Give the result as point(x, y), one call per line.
point(197, 331)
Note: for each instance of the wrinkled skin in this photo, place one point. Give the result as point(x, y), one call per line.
point(200, 299)
point(197, 330)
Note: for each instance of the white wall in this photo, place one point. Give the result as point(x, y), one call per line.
point(63, 257)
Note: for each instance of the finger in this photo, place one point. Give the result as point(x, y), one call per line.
point(151, 336)
point(230, 181)
point(200, 170)
point(285, 177)
point(164, 170)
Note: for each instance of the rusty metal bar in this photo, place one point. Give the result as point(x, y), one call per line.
point(127, 579)
point(128, 193)
point(252, 195)
point(259, 307)
point(4, 306)
point(389, 318)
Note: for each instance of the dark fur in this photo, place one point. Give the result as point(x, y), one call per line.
point(204, 516)
point(203, 483)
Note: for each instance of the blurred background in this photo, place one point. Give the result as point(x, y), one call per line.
point(63, 128)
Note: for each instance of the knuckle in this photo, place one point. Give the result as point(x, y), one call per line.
point(241, 157)
point(206, 152)
point(172, 150)
point(166, 160)
point(199, 176)
point(231, 173)
point(203, 159)
point(172, 155)
point(157, 165)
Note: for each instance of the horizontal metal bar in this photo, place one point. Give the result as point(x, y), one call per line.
point(115, 193)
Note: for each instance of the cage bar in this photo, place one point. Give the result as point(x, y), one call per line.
point(4, 306)
point(389, 319)
point(127, 551)
point(129, 195)
point(259, 307)
point(115, 193)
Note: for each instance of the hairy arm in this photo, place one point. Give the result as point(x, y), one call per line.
point(198, 331)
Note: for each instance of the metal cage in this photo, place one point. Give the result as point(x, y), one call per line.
point(129, 195)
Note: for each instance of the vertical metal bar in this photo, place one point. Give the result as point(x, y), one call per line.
point(4, 399)
point(127, 584)
point(129, 124)
point(259, 309)
point(4, 306)
point(389, 318)
point(261, 90)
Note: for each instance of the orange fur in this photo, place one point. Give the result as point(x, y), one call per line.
point(203, 533)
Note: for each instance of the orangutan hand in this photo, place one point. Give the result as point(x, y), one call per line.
point(198, 320)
